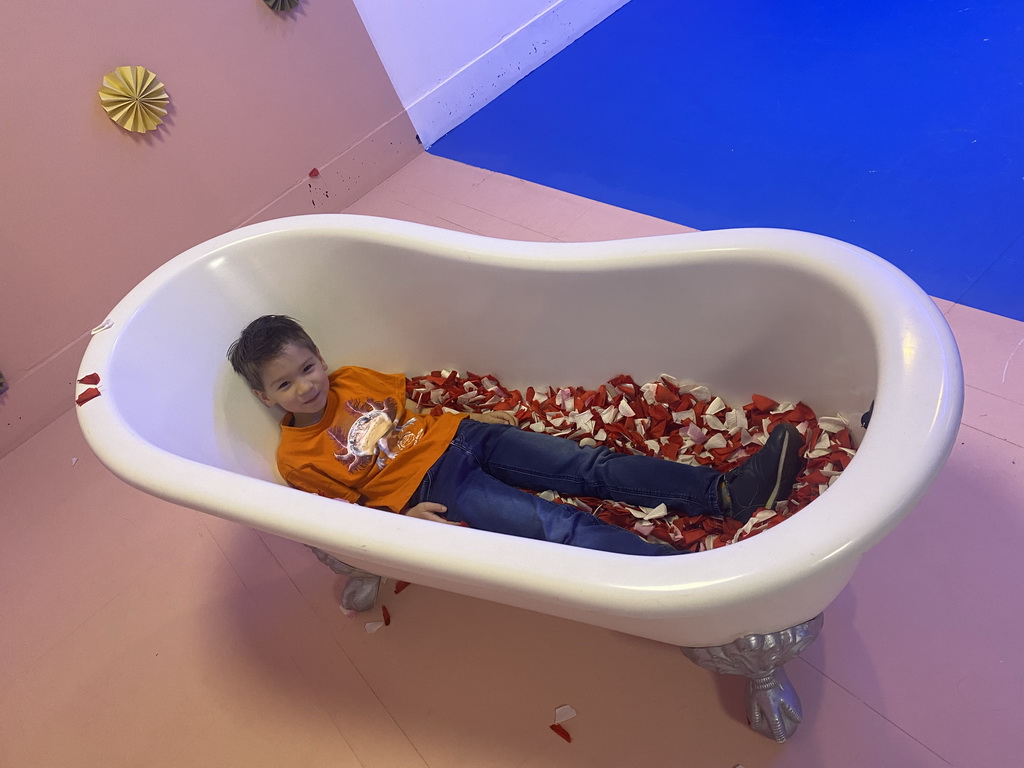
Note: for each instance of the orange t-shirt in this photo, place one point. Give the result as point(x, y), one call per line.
point(366, 448)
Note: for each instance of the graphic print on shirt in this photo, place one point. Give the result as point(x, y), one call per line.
point(369, 437)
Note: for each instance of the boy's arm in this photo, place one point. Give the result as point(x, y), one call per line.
point(489, 417)
point(496, 417)
point(429, 510)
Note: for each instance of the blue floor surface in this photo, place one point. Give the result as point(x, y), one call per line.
point(898, 127)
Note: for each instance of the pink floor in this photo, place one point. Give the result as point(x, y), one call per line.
point(137, 633)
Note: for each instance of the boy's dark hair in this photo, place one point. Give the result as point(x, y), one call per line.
point(261, 341)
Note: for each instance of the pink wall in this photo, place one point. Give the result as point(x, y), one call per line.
point(88, 209)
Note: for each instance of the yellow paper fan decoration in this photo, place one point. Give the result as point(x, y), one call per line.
point(134, 98)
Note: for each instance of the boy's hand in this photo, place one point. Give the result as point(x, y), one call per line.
point(496, 417)
point(429, 510)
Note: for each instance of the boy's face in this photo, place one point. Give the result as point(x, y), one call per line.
point(297, 381)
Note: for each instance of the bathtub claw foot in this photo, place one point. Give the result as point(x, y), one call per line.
point(773, 707)
point(360, 591)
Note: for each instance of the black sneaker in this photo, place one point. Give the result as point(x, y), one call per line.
point(766, 477)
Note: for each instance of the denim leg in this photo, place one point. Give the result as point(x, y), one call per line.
point(473, 496)
point(541, 462)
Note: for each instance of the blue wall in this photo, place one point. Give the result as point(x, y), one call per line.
point(898, 127)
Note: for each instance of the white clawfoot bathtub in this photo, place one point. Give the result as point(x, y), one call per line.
point(790, 315)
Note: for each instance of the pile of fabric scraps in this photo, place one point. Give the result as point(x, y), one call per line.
point(667, 418)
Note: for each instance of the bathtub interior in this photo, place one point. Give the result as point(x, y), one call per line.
point(741, 321)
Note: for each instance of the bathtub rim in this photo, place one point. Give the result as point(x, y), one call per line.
point(579, 578)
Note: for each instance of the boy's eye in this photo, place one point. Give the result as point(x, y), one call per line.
point(308, 368)
point(283, 385)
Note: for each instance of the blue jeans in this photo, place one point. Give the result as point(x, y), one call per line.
point(479, 477)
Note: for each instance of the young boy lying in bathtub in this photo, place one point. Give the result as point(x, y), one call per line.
point(351, 435)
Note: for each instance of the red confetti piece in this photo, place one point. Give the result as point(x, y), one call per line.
point(815, 477)
point(92, 379)
point(560, 730)
point(387, 615)
point(400, 585)
point(314, 173)
point(88, 395)
point(763, 403)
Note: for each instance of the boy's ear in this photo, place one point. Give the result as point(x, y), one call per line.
point(263, 398)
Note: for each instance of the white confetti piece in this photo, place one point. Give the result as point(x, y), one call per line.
point(822, 447)
point(717, 405)
point(832, 424)
point(700, 391)
point(715, 441)
point(649, 513)
point(74, 461)
point(713, 422)
point(760, 517)
point(563, 713)
point(584, 421)
point(373, 626)
point(681, 417)
point(644, 528)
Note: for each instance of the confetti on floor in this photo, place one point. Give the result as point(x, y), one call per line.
point(668, 418)
point(564, 713)
point(560, 730)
